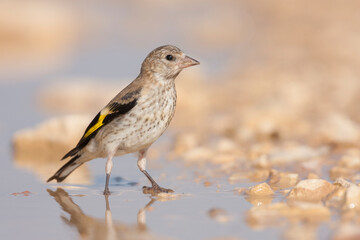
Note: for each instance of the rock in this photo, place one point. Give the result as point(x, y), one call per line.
point(343, 183)
point(339, 128)
point(352, 199)
point(41, 148)
point(262, 162)
point(336, 198)
point(262, 189)
point(283, 180)
point(351, 161)
point(311, 190)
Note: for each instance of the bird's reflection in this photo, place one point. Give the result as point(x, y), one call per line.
point(93, 228)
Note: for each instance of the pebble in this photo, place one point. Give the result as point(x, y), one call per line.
point(311, 190)
point(40, 148)
point(283, 180)
point(262, 189)
point(352, 199)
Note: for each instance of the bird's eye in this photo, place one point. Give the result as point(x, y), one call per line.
point(170, 57)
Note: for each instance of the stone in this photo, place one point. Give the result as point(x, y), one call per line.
point(40, 148)
point(262, 189)
point(283, 180)
point(340, 128)
point(352, 199)
point(311, 190)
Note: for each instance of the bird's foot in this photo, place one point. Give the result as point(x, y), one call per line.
point(156, 189)
point(106, 192)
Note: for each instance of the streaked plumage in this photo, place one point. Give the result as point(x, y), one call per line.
point(134, 118)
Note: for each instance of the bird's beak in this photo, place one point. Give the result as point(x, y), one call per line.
point(188, 62)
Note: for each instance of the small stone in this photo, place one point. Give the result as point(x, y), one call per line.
point(350, 161)
point(352, 199)
point(262, 189)
point(339, 128)
point(40, 148)
point(283, 180)
point(343, 183)
point(311, 190)
point(262, 162)
point(336, 198)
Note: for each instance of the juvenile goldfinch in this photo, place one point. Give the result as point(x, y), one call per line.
point(133, 119)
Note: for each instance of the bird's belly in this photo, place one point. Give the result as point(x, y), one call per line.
point(135, 131)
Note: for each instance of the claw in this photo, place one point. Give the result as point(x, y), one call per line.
point(106, 192)
point(156, 189)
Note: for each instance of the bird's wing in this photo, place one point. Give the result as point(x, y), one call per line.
point(120, 105)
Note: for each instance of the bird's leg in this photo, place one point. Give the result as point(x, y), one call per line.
point(108, 167)
point(155, 188)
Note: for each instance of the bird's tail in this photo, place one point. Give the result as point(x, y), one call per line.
point(68, 168)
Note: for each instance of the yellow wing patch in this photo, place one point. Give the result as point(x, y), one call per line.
point(99, 123)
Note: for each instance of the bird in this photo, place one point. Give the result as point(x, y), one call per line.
point(134, 119)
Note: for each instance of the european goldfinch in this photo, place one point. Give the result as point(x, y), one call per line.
point(133, 119)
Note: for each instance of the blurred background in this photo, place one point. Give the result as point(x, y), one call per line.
point(278, 85)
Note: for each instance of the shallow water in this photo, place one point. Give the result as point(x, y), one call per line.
point(58, 211)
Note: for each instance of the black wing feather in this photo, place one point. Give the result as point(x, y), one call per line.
point(117, 109)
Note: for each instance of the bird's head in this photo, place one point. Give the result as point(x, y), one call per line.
point(166, 62)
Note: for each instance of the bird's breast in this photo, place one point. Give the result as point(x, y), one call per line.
point(145, 123)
